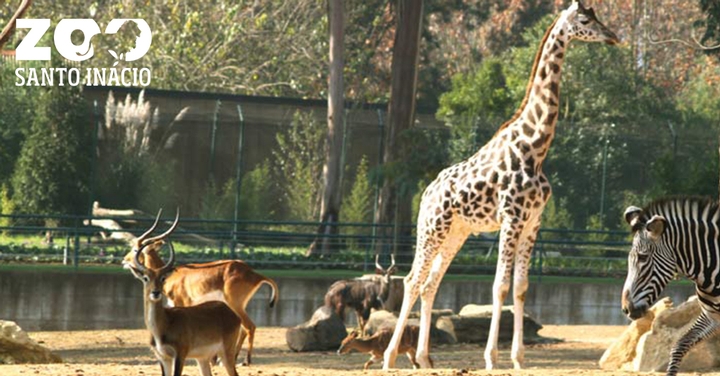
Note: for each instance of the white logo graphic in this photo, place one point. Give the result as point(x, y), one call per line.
point(28, 49)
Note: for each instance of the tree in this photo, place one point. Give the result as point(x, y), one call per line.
point(394, 206)
point(52, 171)
point(330, 203)
point(475, 107)
point(357, 206)
point(711, 8)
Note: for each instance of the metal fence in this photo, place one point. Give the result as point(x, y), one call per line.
point(75, 241)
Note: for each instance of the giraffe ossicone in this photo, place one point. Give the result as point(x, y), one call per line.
point(501, 187)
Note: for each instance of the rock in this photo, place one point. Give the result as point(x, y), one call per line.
point(324, 331)
point(16, 347)
point(384, 319)
point(653, 349)
point(379, 320)
point(645, 346)
point(622, 351)
point(472, 325)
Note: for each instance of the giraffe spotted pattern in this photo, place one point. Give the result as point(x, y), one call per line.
point(501, 187)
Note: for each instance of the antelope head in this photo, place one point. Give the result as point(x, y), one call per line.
point(146, 248)
point(386, 276)
point(344, 348)
point(152, 279)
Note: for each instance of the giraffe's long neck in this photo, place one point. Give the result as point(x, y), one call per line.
point(535, 119)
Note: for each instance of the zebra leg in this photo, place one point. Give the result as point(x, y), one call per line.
point(704, 327)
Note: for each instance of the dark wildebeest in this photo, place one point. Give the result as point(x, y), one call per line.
point(361, 294)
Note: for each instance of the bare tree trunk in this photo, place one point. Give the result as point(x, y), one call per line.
point(395, 208)
point(330, 204)
point(10, 27)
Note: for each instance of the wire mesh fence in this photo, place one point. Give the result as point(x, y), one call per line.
point(78, 240)
point(246, 175)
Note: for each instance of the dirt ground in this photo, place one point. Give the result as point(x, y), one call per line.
point(125, 352)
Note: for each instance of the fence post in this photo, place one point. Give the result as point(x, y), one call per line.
point(238, 178)
point(93, 165)
point(76, 257)
point(381, 147)
point(213, 138)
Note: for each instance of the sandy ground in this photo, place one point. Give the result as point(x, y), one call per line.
point(125, 352)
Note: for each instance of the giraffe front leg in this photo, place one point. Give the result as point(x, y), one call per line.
point(704, 327)
point(520, 286)
point(508, 242)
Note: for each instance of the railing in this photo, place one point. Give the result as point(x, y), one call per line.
point(282, 244)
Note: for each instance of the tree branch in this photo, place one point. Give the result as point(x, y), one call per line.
point(10, 28)
point(695, 44)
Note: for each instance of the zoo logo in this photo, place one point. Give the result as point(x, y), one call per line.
point(28, 49)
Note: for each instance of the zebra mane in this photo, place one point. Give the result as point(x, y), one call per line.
point(703, 202)
point(662, 206)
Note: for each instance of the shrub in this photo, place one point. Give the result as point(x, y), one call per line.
point(357, 206)
point(51, 174)
point(299, 162)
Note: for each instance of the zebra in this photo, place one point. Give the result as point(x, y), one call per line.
point(676, 235)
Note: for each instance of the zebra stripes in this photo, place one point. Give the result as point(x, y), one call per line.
point(675, 235)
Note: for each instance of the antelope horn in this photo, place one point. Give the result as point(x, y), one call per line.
point(170, 262)
point(142, 237)
point(138, 265)
point(392, 260)
point(166, 233)
point(377, 263)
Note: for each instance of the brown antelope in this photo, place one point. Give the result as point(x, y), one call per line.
point(230, 281)
point(376, 344)
point(361, 294)
point(199, 332)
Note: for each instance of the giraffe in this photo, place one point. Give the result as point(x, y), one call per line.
point(501, 187)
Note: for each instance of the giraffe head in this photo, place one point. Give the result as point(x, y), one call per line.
point(582, 24)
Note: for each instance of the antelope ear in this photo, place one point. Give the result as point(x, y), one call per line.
point(632, 215)
point(655, 226)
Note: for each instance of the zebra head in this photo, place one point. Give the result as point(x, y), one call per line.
point(651, 263)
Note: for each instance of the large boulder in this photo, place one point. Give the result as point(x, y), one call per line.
point(384, 319)
point(324, 331)
point(622, 351)
point(16, 347)
point(652, 349)
point(472, 325)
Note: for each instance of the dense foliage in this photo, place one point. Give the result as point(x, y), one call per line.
point(638, 120)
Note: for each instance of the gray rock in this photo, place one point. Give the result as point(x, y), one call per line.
point(384, 319)
point(622, 351)
point(472, 325)
point(324, 331)
point(16, 347)
point(653, 349)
